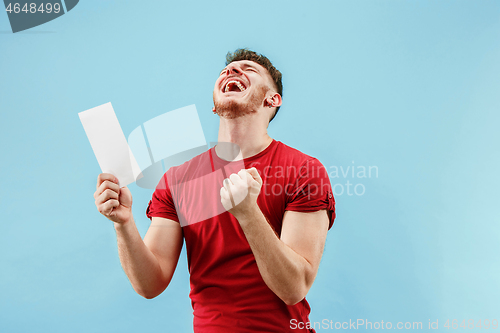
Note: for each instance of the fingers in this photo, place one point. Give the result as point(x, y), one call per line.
point(105, 196)
point(227, 192)
point(125, 197)
point(106, 176)
point(106, 201)
point(243, 174)
point(236, 179)
point(241, 190)
point(107, 207)
point(255, 174)
point(106, 185)
point(226, 196)
point(242, 178)
point(107, 193)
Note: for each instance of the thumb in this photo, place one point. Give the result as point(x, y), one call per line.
point(255, 174)
point(125, 197)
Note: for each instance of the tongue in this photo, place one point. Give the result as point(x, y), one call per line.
point(233, 87)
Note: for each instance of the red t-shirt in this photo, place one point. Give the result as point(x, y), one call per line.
point(228, 293)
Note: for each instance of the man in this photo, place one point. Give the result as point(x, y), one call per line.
point(254, 214)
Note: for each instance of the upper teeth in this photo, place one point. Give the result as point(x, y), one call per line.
point(242, 88)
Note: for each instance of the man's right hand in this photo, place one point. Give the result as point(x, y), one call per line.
point(112, 201)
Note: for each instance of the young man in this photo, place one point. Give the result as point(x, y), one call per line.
point(254, 214)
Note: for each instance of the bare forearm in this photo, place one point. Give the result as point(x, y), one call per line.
point(138, 262)
point(285, 272)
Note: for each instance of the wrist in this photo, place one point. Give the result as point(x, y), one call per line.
point(249, 214)
point(124, 224)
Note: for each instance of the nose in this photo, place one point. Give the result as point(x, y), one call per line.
point(233, 69)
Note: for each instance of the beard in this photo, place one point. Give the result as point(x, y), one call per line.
point(231, 109)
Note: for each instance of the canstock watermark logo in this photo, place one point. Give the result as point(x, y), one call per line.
point(25, 15)
point(152, 150)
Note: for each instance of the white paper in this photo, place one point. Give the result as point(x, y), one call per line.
point(109, 144)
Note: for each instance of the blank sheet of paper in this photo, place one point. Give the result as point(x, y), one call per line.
point(109, 143)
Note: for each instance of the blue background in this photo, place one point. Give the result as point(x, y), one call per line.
point(411, 87)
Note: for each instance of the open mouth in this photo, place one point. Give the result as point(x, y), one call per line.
point(234, 86)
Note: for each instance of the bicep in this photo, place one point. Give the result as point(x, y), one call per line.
point(164, 239)
point(305, 233)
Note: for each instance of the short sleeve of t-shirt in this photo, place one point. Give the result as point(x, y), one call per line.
point(312, 190)
point(162, 203)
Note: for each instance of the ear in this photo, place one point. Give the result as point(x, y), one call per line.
point(274, 100)
point(213, 109)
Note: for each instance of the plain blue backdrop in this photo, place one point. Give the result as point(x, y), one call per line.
point(410, 87)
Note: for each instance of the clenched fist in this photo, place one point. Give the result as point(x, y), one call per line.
point(112, 201)
point(240, 191)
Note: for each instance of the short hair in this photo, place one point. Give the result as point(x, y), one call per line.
point(246, 54)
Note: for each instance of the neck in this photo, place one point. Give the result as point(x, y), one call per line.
point(246, 132)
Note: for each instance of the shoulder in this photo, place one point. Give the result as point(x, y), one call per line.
point(305, 167)
point(293, 156)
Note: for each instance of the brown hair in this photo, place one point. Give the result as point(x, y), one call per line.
point(246, 54)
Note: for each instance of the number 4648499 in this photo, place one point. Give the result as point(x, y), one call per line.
point(32, 8)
